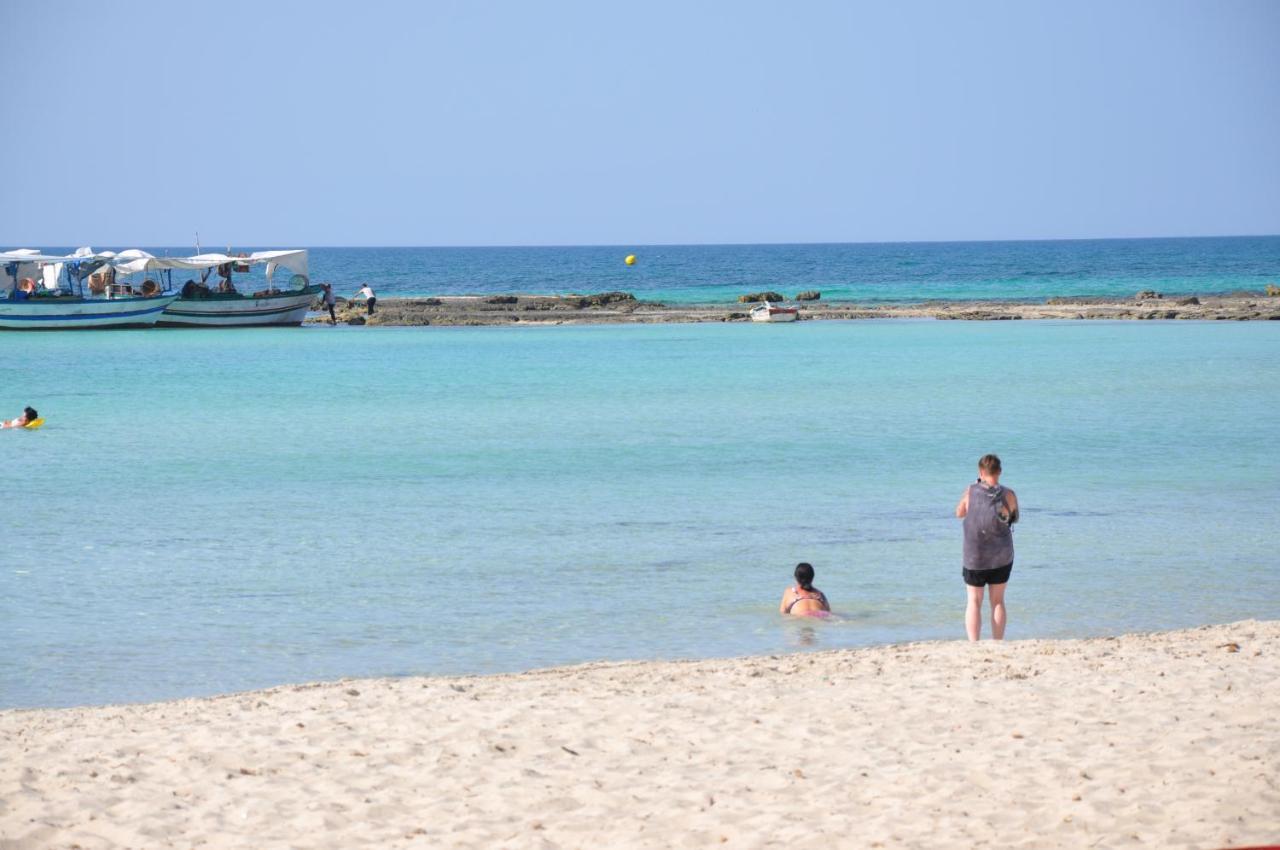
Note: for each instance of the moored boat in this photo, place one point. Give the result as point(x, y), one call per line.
point(767, 312)
point(48, 292)
point(224, 304)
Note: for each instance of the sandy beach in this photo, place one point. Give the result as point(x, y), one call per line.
point(1168, 739)
point(624, 308)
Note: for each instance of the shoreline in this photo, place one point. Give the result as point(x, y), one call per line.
point(625, 308)
point(1167, 737)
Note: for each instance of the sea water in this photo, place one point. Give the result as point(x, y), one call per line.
point(209, 511)
point(867, 273)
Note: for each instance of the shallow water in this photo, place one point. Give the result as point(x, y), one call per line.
point(209, 511)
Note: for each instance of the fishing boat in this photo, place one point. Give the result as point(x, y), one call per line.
point(767, 312)
point(236, 297)
point(50, 292)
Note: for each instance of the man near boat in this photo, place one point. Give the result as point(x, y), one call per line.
point(330, 301)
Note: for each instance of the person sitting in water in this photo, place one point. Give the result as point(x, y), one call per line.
point(28, 416)
point(804, 599)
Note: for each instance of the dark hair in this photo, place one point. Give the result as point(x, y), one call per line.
point(804, 575)
point(989, 464)
point(31, 414)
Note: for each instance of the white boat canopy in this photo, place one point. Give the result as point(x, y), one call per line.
point(45, 268)
point(29, 255)
point(132, 261)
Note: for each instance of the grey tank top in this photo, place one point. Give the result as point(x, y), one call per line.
point(988, 540)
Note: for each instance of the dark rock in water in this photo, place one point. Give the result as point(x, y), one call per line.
point(606, 299)
point(1186, 302)
point(809, 295)
point(769, 295)
point(356, 320)
point(432, 302)
point(1147, 294)
point(979, 316)
point(736, 317)
point(501, 299)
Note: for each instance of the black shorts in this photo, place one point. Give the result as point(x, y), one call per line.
point(982, 578)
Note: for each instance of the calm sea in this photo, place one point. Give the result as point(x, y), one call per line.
point(863, 272)
point(210, 511)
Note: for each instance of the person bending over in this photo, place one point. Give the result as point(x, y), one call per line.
point(366, 292)
point(804, 600)
point(989, 511)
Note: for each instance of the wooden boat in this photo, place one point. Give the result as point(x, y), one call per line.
point(48, 292)
point(226, 310)
point(767, 312)
point(224, 305)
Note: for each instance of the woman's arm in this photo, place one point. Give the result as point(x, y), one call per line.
point(963, 507)
point(782, 606)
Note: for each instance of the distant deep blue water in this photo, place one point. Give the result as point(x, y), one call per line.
point(209, 511)
point(869, 273)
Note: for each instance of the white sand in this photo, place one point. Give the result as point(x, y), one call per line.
point(1164, 740)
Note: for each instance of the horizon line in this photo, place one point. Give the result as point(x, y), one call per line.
point(623, 245)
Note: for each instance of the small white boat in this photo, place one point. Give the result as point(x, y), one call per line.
point(223, 305)
point(767, 312)
point(47, 292)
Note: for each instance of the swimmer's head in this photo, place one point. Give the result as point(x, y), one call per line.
point(29, 414)
point(804, 575)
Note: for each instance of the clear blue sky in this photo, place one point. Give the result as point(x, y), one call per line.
point(503, 123)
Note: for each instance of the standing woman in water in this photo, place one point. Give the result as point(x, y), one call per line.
point(804, 600)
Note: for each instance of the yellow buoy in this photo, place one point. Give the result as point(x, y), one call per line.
point(630, 260)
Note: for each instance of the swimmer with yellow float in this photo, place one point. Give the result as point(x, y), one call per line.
point(29, 419)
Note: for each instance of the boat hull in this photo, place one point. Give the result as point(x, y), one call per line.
point(39, 314)
point(286, 308)
point(774, 314)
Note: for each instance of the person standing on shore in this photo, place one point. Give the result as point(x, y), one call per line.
point(989, 511)
point(366, 292)
point(329, 301)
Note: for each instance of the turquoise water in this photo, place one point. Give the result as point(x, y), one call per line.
point(868, 273)
point(215, 511)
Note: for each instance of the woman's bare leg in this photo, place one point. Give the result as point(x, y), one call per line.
point(973, 612)
point(998, 614)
